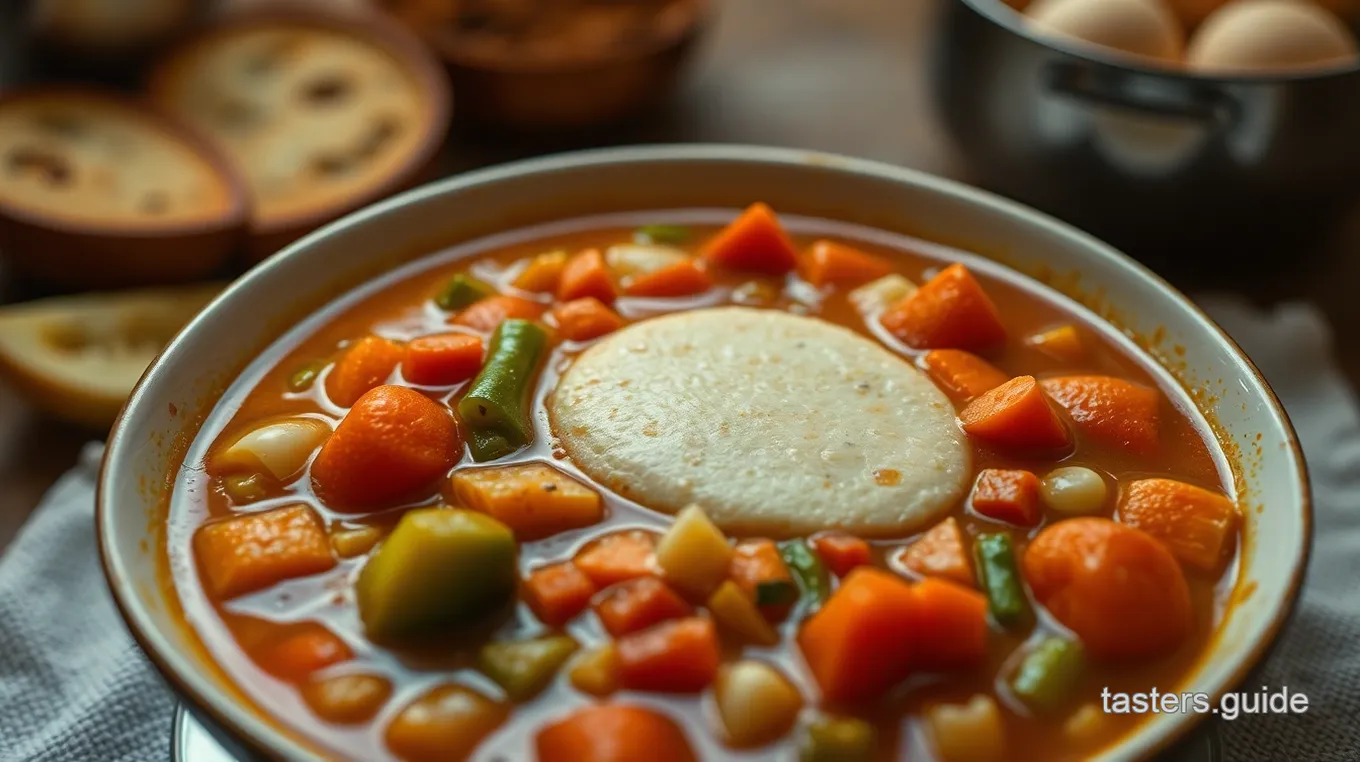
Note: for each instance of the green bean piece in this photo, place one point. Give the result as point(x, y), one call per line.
point(661, 234)
point(525, 667)
point(837, 739)
point(461, 291)
point(776, 592)
point(244, 488)
point(1049, 672)
point(496, 407)
point(1000, 579)
point(808, 570)
point(305, 376)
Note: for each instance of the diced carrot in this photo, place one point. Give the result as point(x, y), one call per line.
point(856, 645)
point(1008, 495)
point(754, 241)
point(759, 570)
point(490, 312)
point(395, 444)
point(638, 604)
point(951, 311)
point(1015, 415)
point(558, 592)
point(585, 319)
point(940, 553)
point(1061, 343)
point(613, 733)
point(535, 500)
point(683, 278)
point(542, 273)
point(1199, 527)
point(364, 366)
point(949, 625)
point(618, 557)
point(678, 656)
point(449, 358)
point(831, 262)
point(962, 375)
point(841, 552)
point(309, 648)
point(251, 552)
point(1110, 411)
point(586, 274)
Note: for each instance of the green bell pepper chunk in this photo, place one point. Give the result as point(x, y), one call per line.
point(809, 572)
point(1048, 673)
point(837, 739)
point(525, 667)
point(661, 234)
point(462, 291)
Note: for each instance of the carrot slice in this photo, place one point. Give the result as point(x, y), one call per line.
point(1015, 415)
point(679, 656)
point(940, 553)
point(759, 570)
point(1008, 495)
point(949, 625)
point(586, 274)
point(585, 319)
point(364, 366)
point(638, 604)
point(951, 311)
point(490, 312)
point(542, 273)
point(831, 262)
point(684, 278)
point(310, 648)
point(755, 241)
point(618, 557)
point(856, 645)
point(449, 358)
point(558, 592)
point(962, 375)
point(1110, 411)
point(841, 552)
point(251, 552)
point(1199, 527)
point(613, 733)
point(1061, 343)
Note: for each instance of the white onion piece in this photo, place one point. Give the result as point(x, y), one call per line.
point(629, 260)
point(280, 449)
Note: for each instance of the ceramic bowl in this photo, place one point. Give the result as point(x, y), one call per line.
point(197, 366)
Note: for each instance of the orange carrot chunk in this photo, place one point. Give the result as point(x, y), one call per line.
point(684, 278)
point(442, 360)
point(490, 312)
point(951, 311)
point(613, 733)
point(364, 366)
point(586, 274)
point(754, 241)
point(309, 648)
point(949, 625)
point(856, 645)
point(1199, 527)
point(251, 552)
point(638, 604)
point(1110, 411)
point(558, 592)
point(941, 552)
point(962, 375)
point(759, 570)
point(585, 319)
point(679, 656)
point(831, 262)
point(1015, 415)
point(841, 552)
point(1061, 343)
point(1008, 495)
point(619, 557)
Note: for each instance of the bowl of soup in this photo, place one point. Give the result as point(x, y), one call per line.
point(702, 453)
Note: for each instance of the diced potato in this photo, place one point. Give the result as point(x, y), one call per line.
point(628, 260)
point(736, 613)
point(279, 449)
point(972, 732)
point(1061, 343)
point(347, 699)
point(251, 552)
point(542, 272)
point(525, 667)
point(534, 499)
point(877, 295)
point(1085, 725)
point(1073, 490)
point(446, 723)
point(693, 554)
point(355, 541)
point(837, 739)
point(596, 671)
point(756, 702)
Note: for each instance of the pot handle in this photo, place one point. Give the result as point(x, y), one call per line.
point(1162, 96)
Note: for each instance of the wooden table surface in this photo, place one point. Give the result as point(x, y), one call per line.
point(847, 76)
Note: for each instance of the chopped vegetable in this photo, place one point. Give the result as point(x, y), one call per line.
point(355, 541)
point(949, 625)
point(950, 311)
point(962, 375)
point(856, 646)
point(534, 499)
point(395, 445)
point(1086, 724)
point(1061, 343)
point(558, 592)
point(842, 552)
point(1110, 411)
point(310, 647)
point(347, 699)
point(761, 573)
point(1198, 526)
point(618, 557)
point(755, 242)
point(1115, 587)
point(972, 732)
point(837, 739)
point(693, 554)
point(446, 723)
point(1000, 578)
point(757, 293)
point(662, 234)
point(585, 275)
point(586, 319)
point(1010, 496)
point(807, 568)
point(542, 273)
point(830, 262)
point(364, 366)
point(596, 671)
point(1073, 490)
point(876, 296)
point(461, 292)
point(613, 733)
point(755, 702)
point(247, 553)
point(684, 278)
point(525, 667)
point(440, 567)
point(1048, 673)
point(303, 378)
point(737, 614)
point(449, 358)
point(244, 488)
point(487, 315)
point(678, 656)
point(940, 553)
point(1015, 415)
point(279, 449)
point(496, 407)
point(630, 260)
point(638, 604)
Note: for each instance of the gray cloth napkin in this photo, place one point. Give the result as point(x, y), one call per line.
point(73, 686)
